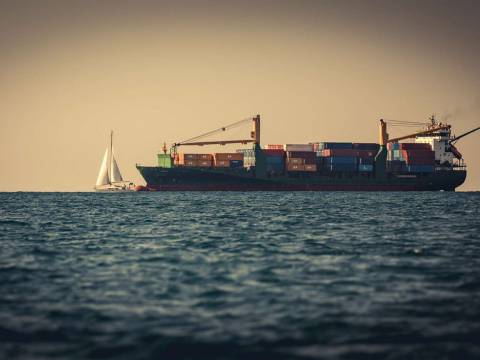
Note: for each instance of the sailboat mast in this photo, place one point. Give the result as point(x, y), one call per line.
point(111, 157)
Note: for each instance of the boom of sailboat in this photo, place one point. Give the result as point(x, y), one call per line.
point(109, 177)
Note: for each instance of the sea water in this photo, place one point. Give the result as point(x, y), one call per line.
point(239, 275)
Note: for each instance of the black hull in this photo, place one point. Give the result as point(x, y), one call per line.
point(205, 179)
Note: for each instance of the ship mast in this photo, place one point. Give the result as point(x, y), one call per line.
point(111, 156)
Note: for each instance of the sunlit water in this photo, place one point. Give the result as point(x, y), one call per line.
point(239, 275)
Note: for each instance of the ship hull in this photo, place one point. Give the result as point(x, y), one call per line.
point(198, 179)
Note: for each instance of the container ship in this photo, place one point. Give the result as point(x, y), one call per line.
point(430, 162)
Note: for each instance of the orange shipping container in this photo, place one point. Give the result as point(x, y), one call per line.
point(190, 163)
point(310, 167)
point(207, 157)
point(222, 163)
point(204, 163)
point(183, 158)
point(295, 161)
point(228, 156)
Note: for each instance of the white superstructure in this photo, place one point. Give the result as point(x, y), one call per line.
point(440, 144)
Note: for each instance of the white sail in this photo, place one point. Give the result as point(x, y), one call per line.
point(102, 178)
point(114, 170)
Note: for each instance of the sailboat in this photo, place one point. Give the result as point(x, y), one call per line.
point(109, 177)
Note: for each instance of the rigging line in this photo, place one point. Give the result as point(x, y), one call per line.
point(405, 125)
point(406, 122)
point(223, 128)
point(387, 119)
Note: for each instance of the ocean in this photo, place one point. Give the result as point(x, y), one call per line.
point(329, 275)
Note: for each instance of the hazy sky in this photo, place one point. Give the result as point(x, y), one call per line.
point(156, 71)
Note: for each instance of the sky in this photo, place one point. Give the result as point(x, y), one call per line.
point(165, 71)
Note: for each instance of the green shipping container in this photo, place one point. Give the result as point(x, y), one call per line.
point(165, 161)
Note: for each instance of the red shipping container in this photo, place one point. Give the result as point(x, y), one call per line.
point(414, 146)
point(192, 163)
point(275, 147)
point(274, 152)
point(228, 156)
point(183, 158)
point(301, 154)
point(418, 154)
point(419, 157)
point(295, 161)
point(207, 157)
point(295, 167)
point(222, 163)
point(204, 163)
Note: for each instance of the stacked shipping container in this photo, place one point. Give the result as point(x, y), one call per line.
point(300, 157)
point(274, 159)
point(230, 160)
point(346, 157)
point(410, 157)
point(194, 160)
point(318, 157)
point(248, 157)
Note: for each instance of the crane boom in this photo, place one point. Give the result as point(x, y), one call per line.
point(425, 132)
point(254, 135)
point(455, 139)
point(219, 142)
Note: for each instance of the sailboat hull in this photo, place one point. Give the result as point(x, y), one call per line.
point(115, 188)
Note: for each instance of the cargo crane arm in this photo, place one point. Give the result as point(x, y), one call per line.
point(456, 138)
point(425, 132)
point(453, 148)
point(254, 135)
point(431, 128)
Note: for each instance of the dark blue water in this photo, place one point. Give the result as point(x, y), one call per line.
point(240, 275)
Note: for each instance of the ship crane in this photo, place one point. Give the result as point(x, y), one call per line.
point(453, 148)
point(431, 128)
point(381, 158)
point(254, 136)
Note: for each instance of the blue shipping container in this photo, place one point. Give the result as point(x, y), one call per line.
point(341, 167)
point(274, 160)
point(341, 160)
point(365, 168)
point(335, 145)
point(420, 168)
point(236, 163)
point(366, 146)
point(397, 155)
point(275, 168)
point(366, 161)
